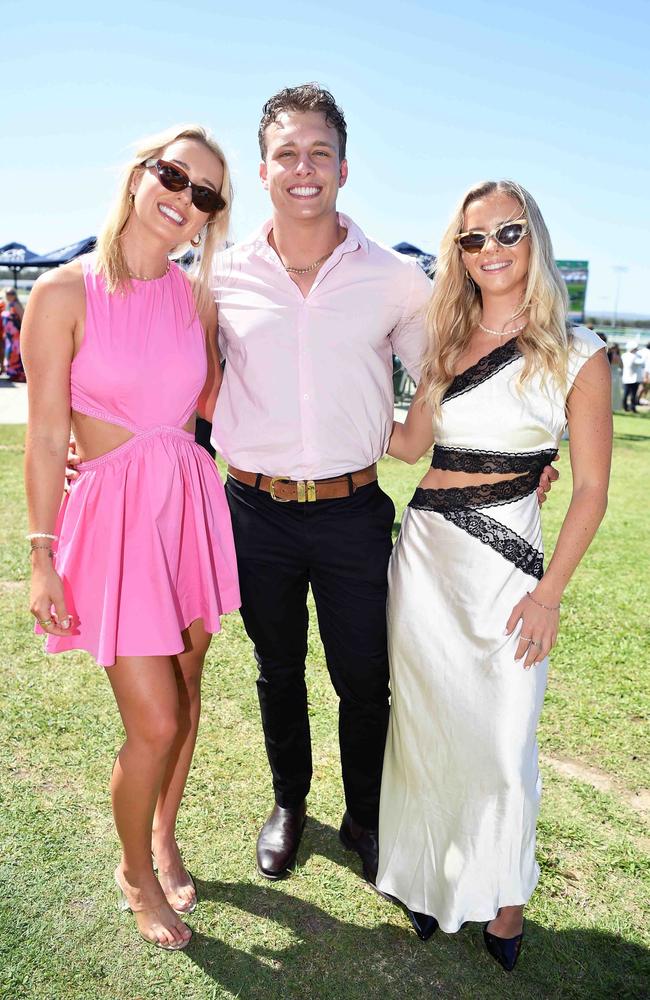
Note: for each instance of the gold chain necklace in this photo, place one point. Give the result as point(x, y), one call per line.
point(502, 333)
point(306, 270)
point(153, 278)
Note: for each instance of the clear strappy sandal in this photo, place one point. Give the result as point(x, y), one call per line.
point(124, 906)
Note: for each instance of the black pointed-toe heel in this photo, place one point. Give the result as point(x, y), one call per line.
point(505, 951)
point(423, 925)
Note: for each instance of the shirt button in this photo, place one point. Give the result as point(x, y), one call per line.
point(306, 396)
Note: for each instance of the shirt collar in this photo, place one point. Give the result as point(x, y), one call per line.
point(258, 241)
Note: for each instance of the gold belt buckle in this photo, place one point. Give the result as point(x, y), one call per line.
point(274, 480)
point(305, 489)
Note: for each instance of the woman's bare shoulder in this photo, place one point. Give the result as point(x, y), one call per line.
point(56, 307)
point(61, 287)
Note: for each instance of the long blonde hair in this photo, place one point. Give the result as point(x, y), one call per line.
point(110, 260)
point(456, 302)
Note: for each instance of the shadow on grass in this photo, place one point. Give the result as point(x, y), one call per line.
point(339, 960)
point(632, 437)
point(322, 956)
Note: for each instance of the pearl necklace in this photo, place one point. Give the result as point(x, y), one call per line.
point(306, 270)
point(153, 278)
point(503, 333)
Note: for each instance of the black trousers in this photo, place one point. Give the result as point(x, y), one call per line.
point(341, 548)
point(630, 390)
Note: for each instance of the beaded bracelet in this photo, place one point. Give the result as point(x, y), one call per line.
point(41, 534)
point(547, 607)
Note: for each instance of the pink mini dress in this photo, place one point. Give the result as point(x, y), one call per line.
point(145, 541)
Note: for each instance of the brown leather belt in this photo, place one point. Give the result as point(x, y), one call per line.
point(283, 489)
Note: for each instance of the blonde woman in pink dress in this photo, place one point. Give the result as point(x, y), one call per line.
point(137, 565)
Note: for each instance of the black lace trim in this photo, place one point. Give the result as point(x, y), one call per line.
point(483, 369)
point(503, 540)
point(475, 460)
point(458, 505)
point(484, 495)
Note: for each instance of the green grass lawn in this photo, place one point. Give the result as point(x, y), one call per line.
point(323, 933)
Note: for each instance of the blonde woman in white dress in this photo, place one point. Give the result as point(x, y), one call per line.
point(472, 613)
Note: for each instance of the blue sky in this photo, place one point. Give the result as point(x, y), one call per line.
point(554, 96)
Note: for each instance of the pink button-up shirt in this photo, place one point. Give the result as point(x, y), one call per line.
point(307, 390)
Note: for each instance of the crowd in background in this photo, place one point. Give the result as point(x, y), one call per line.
point(11, 315)
point(630, 375)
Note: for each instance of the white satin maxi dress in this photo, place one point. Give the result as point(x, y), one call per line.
point(461, 787)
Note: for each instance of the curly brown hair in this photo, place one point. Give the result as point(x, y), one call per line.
point(306, 97)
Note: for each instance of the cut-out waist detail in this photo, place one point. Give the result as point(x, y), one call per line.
point(485, 495)
point(79, 406)
point(139, 436)
point(441, 479)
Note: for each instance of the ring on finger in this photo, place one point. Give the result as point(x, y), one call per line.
point(44, 622)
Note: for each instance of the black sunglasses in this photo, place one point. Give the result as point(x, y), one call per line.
point(508, 234)
point(174, 179)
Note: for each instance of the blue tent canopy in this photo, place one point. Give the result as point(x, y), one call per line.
point(16, 256)
point(427, 261)
point(64, 254)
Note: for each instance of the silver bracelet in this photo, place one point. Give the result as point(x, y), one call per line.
point(547, 607)
point(41, 534)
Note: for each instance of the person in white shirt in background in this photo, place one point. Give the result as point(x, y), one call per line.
point(633, 371)
point(644, 393)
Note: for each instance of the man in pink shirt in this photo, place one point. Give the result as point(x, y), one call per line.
point(310, 313)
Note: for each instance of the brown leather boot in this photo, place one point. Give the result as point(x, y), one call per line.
point(279, 840)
